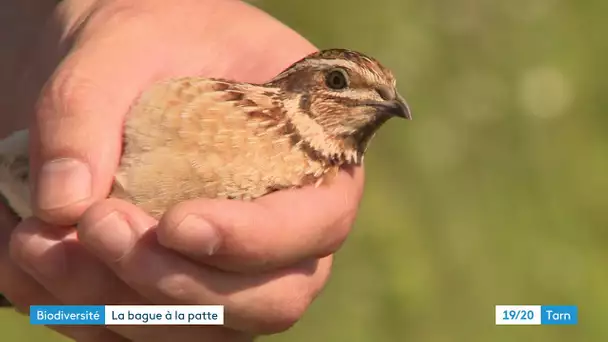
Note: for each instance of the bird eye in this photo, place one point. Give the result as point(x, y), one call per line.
point(336, 79)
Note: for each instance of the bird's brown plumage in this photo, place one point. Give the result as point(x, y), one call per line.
point(194, 137)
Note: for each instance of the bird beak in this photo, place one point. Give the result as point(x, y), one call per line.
point(398, 107)
point(394, 105)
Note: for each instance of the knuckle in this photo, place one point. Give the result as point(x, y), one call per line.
point(65, 95)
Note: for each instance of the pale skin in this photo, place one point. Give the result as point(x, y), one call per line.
point(278, 250)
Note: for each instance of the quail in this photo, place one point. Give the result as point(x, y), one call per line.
point(195, 137)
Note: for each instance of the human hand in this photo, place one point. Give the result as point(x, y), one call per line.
point(266, 265)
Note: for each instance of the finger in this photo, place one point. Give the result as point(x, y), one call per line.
point(56, 259)
point(77, 132)
point(257, 303)
point(22, 290)
point(15, 284)
point(59, 263)
point(276, 230)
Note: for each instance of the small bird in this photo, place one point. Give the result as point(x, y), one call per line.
point(197, 137)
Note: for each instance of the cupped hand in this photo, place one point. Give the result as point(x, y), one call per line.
point(264, 260)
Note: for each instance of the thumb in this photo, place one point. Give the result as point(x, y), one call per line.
point(76, 137)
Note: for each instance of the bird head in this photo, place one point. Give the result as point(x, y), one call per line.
point(343, 95)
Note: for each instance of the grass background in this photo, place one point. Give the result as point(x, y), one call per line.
point(496, 193)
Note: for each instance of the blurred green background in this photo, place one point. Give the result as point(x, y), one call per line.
point(496, 192)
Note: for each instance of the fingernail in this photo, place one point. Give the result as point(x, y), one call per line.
point(196, 229)
point(44, 257)
point(111, 237)
point(63, 182)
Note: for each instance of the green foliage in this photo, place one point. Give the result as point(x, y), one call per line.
point(495, 193)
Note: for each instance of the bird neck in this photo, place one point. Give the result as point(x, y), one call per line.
point(360, 139)
point(321, 146)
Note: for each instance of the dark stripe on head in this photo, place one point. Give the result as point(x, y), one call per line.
point(343, 100)
point(354, 56)
point(297, 79)
point(303, 75)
